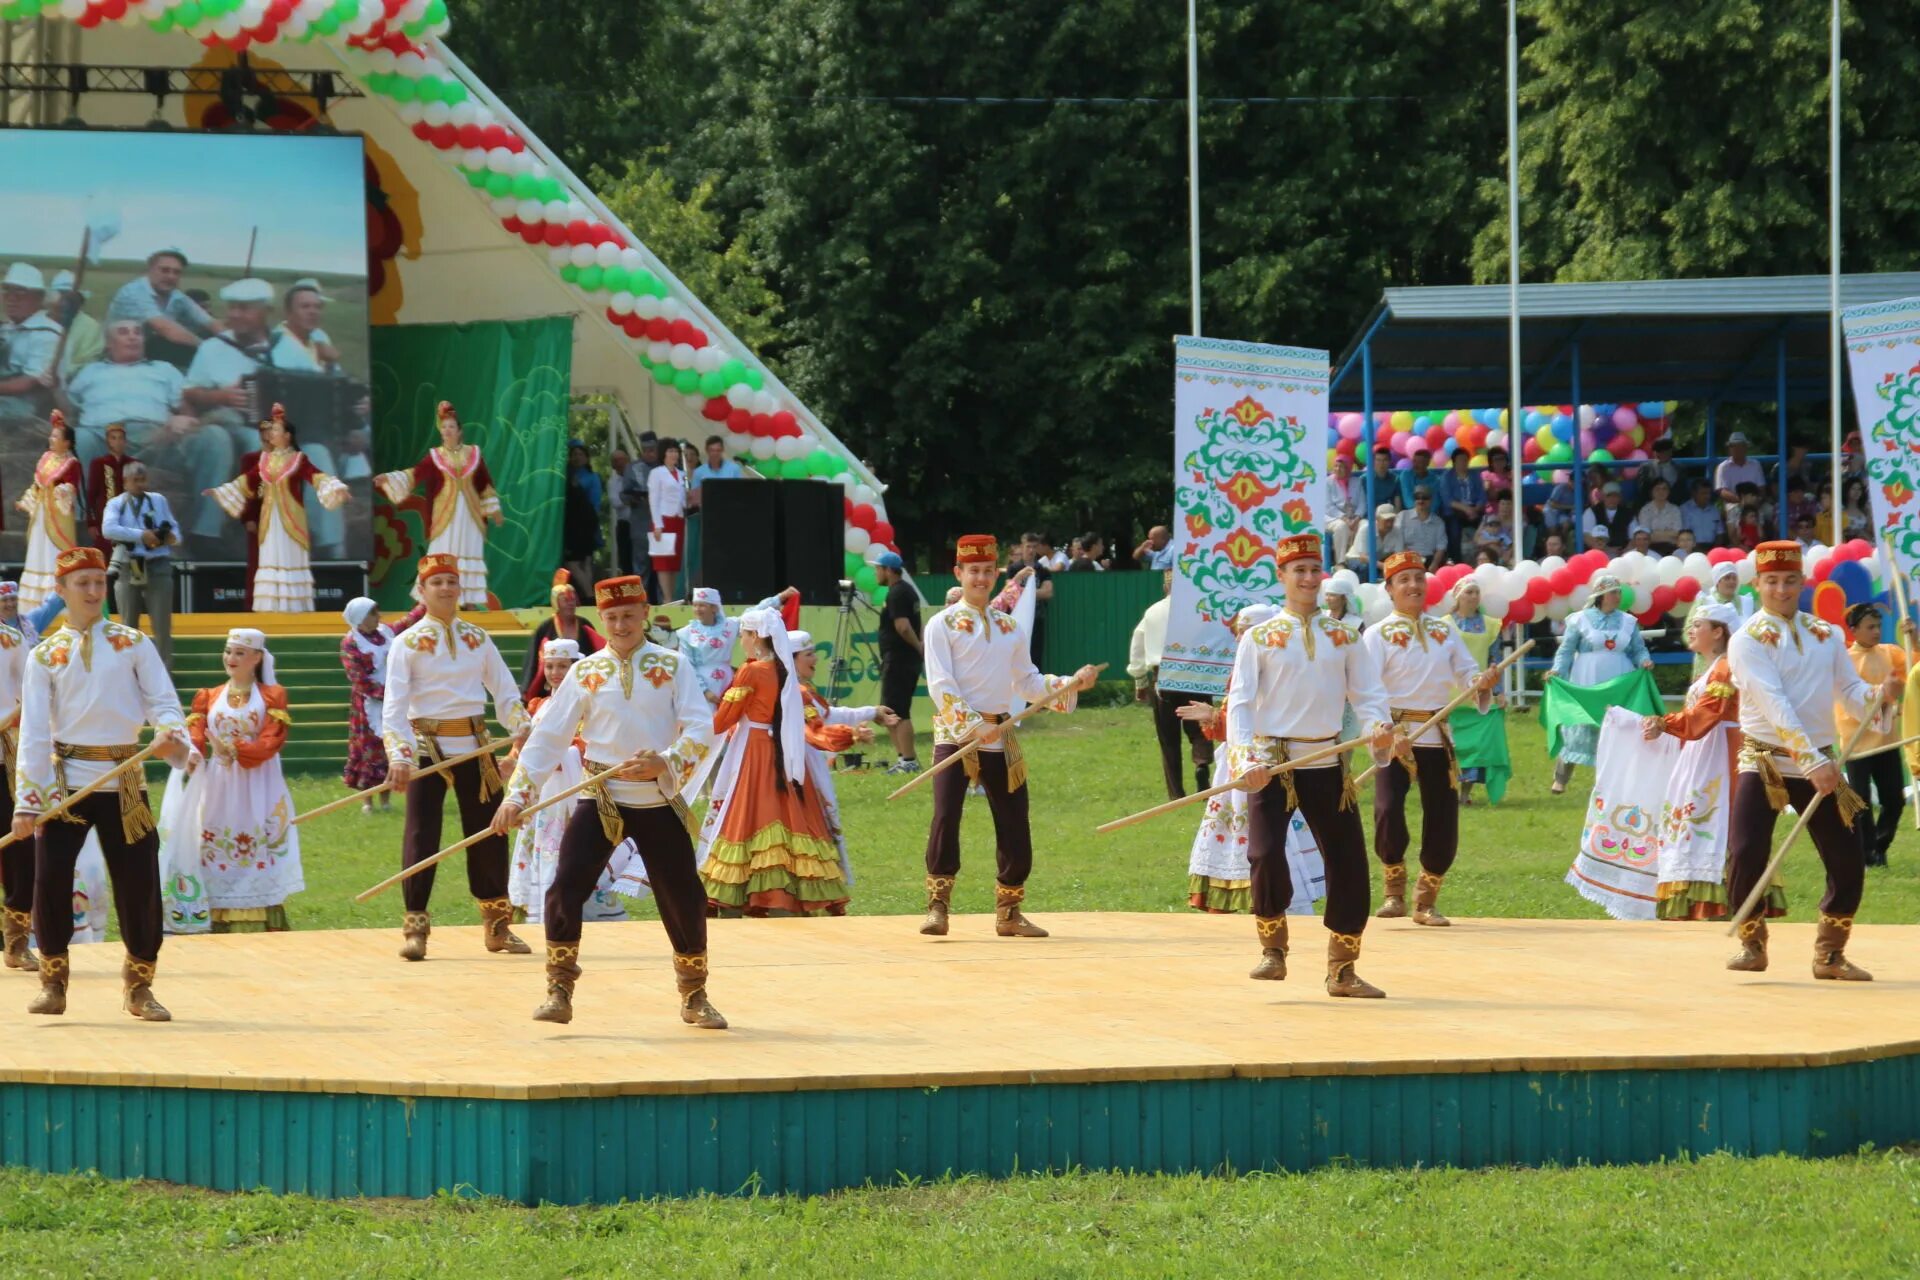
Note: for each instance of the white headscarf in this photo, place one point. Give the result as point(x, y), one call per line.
point(559, 647)
point(706, 595)
point(802, 641)
point(252, 638)
point(793, 724)
point(1721, 612)
point(358, 609)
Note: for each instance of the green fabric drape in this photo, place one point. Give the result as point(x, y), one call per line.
point(1567, 705)
point(1480, 742)
point(511, 382)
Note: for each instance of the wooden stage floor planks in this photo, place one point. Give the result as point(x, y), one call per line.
point(866, 1003)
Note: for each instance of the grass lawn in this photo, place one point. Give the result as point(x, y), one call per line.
point(1720, 1216)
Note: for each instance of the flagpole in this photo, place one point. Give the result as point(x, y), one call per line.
point(1193, 158)
point(1515, 423)
point(1833, 261)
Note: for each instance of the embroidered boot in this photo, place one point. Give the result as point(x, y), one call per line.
point(1753, 947)
point(18, 925)
point(1393, 903)
point(136, 979)
point(495, 915)
point(53, 986)
point(1829, 951)
point(690, 976)
point(1342, 950)
point(939, 896)
point(563, 970)
point(1273, 949)
point(414, 928)
point(1007, 920)
point(1426, 892)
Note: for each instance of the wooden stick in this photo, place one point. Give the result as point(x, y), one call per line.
point(974, 745)
point(1881, 750)
point(128, 765)
point(486, 832)
point(428, 772)
point(1759, 891)
point(1312, 757)
point(1447, 710)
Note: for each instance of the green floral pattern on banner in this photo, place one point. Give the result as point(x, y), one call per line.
point(1240, 491)
point(510, 382)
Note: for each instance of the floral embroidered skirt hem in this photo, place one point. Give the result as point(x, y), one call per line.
point(1219, 897)
point(775, 870)
point(1707, 900)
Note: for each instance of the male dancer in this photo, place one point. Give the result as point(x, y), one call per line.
point(439, 675)
point(641, 706)
point(90, 686)
point(976, 664)
point(16, 860)
point(1422, 662)
point(1791, 670)
point(1292, 675)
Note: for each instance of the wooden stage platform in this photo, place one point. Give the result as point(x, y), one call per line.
point(319, 1062)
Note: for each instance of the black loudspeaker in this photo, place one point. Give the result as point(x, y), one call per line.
point(760, 536)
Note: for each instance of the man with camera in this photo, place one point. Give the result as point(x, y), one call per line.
point(141, 527)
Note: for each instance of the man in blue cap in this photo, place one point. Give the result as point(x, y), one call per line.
point(901, 656)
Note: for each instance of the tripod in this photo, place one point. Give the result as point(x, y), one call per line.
point(851, 602)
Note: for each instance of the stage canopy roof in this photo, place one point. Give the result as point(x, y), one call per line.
point(1633, 340)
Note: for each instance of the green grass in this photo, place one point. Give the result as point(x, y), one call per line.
point(1718, 1216)
point(1086, 769)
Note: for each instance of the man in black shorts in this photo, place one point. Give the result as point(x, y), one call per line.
point(900, 656)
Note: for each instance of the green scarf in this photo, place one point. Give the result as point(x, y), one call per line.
point(1567, 705)
point(1480, 742)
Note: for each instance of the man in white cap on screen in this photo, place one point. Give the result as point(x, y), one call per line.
point(219, 365)
point(175, 324)
point(29, 337)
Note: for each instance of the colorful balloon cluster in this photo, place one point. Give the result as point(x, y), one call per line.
point(1651, 587)
point(385, 45)
point(1605, 434)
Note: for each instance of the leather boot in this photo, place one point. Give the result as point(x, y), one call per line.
point(136, 980)
point(53, 986)
point(1273, 949)
point(1342, 950)
point(1393, 903)
point(563, 970)
point(1829, 951)
point(1007, 920)
point(939, 897)
point(414, 928)
point(495, 915)
point(1426, 892)
point(1753, 947)
point(17, 926)
point(690, 976)
point(1202, 778)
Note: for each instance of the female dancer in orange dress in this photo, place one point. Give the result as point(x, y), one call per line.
point(765, 846)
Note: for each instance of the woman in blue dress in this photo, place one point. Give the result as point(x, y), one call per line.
point(1602, 643)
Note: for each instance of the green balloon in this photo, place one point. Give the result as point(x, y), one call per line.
point(686, 381)
point(589, 278)
point(475, 177)
point(615, 280)
point(326, 24)
point(523, 185)
point(663, 374)
point(823, 462)
point(403, 90)
point(733, 371)
point(454, 93)
point(1562, 452)
point(499, 185)
point(754, 379)
point(879, 596)
point(570, 273)
point(711, 385)
point(162, 23)
point(855, 563)
point(1626, 599)
point(643, 281)
point(1600, 458)
point(646, 361)
point(795, 469)
point(436, 12)
point(427, 89)
point(186, 14)
point(866, 579)
point(550, 190)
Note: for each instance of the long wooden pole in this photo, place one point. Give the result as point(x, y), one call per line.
point(428, 772)
point(974, 745)
point(128, 765)
point(1447, 710)
point(1312, 757)
point(486, 832)
point(1759, 890)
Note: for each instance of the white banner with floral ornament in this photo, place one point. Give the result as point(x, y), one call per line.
point(1883, 357)
point(1249, 447)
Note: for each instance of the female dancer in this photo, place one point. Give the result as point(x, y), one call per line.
point(460, 503)
point(363, 652)
point(49, 503)
point(283, 576)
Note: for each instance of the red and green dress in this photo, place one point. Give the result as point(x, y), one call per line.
point(764, 846)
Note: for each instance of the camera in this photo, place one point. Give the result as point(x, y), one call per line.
point(164, 528)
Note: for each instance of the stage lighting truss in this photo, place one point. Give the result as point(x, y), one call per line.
point(246, 91)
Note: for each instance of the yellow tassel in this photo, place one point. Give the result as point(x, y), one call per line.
point(136, 818)
point(1850, 804)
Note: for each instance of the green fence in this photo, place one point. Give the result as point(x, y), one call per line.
point(1092, 616)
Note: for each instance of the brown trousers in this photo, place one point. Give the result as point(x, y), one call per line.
point(664, 846)
point(426, 801)
point(1750, 842)
point(16, 860)
point(1343, 847)
point(134, 870)
point(1013, 840)
point(1439, 811)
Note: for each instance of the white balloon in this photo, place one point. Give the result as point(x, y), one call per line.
point(72, 9)
point(622, 303)
point(555, 211)
point(875, 550)
point(846, 481)
point(252, 12)
point(1557, 608)
point(581, 255)
point(499, 160)
point(1697, 567)
point(1552, 563)
point(1348, 579)
point(631, 259)
point(863, 495)
point(474, 159)
point(646, 306)
point(504, 207)
point(532, 212)
point(682, 355)
point(1669, 570)
point(706, 359)
point(695, 401)
point(557, 257)
point(787, 448)
point(660, 352)
point(1745, 569)
point(738, 442)
point(761, 448)
point(858, 540)
point(230, 26)
point(764, 402)
point(465, 113)
point(740, 396)
point(606, 255)
point(1374, 603)
point(437, 113)
point(670, 308)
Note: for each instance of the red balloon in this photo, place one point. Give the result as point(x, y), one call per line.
point(698, 338)
point(1564, 580)
point(846, 505)
point(1858, 548)
point(1663, 600)
point(636, 327)
point(678, 331)
point(1346, 449)
point(533, 233)
point(716, 409)
point(511, 223)
point(1539, 591)
point(493, 136)
point(515, 143)
point(882, 531)
point(469, 135)
point(577, 231)
point(1825, 567)
point(554, 234)
point(1687, 589)
point(445, 137)
point(1651, 618)
point(740, 422)
point(1435, 589)
point(862, 516)
point(784, 422)
point(1436, 437)
point(1520, 612)
point(660, 329)
point(422, 130)
point(762, 425)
